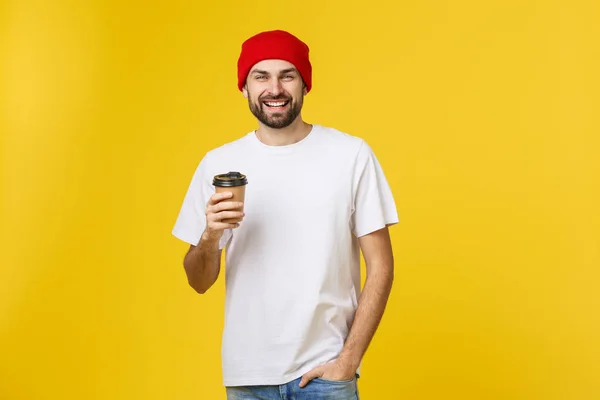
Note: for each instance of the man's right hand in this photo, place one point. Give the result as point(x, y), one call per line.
point(218, 209)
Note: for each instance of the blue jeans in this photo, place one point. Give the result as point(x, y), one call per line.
point(316, 389)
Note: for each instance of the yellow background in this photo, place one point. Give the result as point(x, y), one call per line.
point(483, 114)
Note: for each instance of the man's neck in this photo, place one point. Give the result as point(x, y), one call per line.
point(291, 134)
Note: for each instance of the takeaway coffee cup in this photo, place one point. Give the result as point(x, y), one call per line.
point(235, 183)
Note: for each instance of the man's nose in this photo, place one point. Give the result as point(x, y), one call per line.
point(275, 87)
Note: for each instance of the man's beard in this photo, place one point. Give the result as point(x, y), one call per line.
point(276, 120)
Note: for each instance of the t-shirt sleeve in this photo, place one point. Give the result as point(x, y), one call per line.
point(191, 220)
point(374, 206)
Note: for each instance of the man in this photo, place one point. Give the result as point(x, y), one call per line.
point(297, 324)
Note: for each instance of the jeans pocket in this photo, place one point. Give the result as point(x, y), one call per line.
point(342, 382)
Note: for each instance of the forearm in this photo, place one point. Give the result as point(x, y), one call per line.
point(202, 264)
point(371, 306)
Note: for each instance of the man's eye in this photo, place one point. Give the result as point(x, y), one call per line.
point(261, 77)
point(288, 77)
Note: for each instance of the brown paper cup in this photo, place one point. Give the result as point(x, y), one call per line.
point(235, 183)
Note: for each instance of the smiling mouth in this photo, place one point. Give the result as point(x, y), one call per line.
point(276, 104)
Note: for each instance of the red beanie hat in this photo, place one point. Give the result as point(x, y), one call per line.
point(276, 44)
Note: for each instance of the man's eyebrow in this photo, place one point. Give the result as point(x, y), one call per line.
point(285, 71)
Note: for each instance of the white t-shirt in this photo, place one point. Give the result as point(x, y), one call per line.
point(292, 269)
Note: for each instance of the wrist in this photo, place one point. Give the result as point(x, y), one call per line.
point(349, 361)
point(209, 240)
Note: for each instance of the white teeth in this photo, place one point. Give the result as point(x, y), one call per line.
point(276, 104)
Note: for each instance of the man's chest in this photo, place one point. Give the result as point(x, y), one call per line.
point(283, 189)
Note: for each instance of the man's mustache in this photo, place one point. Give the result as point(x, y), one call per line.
point(283, 98)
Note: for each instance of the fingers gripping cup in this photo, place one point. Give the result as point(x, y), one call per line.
point(235, 183)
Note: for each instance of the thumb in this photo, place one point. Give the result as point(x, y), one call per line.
point(310, 375)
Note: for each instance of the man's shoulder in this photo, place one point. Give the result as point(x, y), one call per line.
point(342, 139)
point(229, 148)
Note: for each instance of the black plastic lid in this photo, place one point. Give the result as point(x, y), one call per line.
point(230, 179)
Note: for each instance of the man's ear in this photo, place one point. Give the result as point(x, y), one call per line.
point(245, 91)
